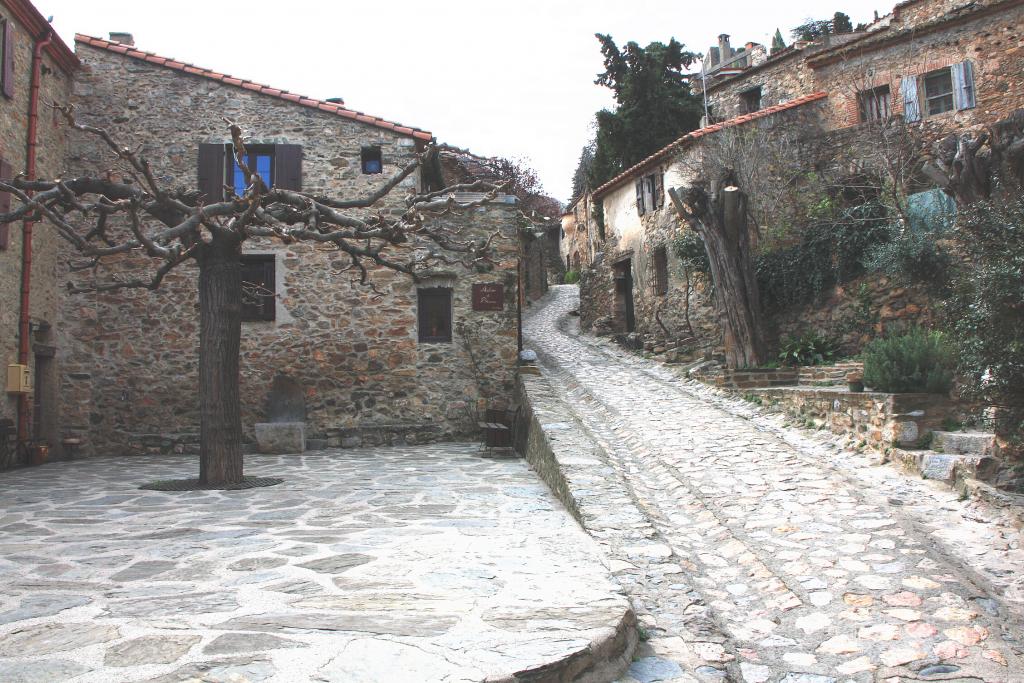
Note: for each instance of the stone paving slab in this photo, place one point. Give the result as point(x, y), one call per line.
point(748, 556)
point(424, 563)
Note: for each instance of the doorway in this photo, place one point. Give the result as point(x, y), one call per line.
point(624, 315)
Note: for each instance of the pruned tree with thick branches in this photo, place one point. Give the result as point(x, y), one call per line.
point(106, 218)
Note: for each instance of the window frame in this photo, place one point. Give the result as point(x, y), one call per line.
point(7, 76)
point(875, 104)
point(947, 73)
point(747, 99)
point(660, 262)
point(230, 164)
point(267, 310)
point(443, 296)
point(370, 153)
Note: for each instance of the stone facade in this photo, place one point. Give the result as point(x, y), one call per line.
point(131, 374)
point(26, 26)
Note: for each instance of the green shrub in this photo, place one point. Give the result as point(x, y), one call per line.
point(919, 361)
point(690, 250)
point(810, 348)
point(572, 277)
point(912, 258)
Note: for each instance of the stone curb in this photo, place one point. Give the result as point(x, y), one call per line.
point(551, 426)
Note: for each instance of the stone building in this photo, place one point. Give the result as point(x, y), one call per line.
point(940, 65)
point(402, 362)
point(37, 67)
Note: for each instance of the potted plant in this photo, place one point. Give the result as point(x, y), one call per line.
point(39, 453)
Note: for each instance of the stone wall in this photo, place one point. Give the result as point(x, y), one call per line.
point(132, 378)
point(55, 86)
point(879, 420)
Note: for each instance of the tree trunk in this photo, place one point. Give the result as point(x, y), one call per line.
point(220, 333)
point(720, 220)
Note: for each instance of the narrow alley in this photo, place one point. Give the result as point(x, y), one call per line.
point(751, 559)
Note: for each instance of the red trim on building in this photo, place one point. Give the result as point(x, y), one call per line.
point(29, 17)
point(707, 130)
point(284, 95)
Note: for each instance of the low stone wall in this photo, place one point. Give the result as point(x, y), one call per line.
point(757, 378)
point(878, 419)
point(827, 374)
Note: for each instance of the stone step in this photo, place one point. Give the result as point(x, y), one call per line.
point(974, 443)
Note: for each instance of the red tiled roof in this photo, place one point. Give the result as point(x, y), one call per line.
point(130, 51)
point(699, 133)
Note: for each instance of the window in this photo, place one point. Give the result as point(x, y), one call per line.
point(750, 100)
point(938, 92)
point(280, 166)
point(650, 193)
point(372, 160)
point(7, 57)
point(875, 104)
point(259, 287)
point(260, 159)
point(434, 314)
point(660, 271)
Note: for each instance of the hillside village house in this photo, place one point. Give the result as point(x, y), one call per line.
point(942, 65)
point(402, 361)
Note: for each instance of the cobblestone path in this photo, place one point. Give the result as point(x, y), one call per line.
point(748, 559)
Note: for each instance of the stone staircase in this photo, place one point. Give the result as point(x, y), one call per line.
point(963, 443)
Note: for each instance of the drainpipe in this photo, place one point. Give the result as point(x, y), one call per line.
point(24, 327)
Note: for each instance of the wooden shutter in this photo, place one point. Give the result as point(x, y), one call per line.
point(911, 103)
point(659, 190)
point(6, 173)
point(288, 167)
point(8, 59)
point(963, 85)
point(211, 172)
point(640, 197)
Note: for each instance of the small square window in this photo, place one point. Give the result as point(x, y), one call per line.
point(259, 159)
point(750, 100)
point(259, 287)
point(938, 92)
point(372, 160)
point(434, 314)
point(875, 104)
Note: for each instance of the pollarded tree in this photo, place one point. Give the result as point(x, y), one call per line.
point(106, 219)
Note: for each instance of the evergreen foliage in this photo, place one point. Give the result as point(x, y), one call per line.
point(809, 348)
point(812, 29)
point(919, 361)
point(778, 43)
point(654, 105)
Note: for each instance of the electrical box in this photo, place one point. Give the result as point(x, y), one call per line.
point(19, 379)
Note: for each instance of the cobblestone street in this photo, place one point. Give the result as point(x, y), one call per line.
point(749, 557)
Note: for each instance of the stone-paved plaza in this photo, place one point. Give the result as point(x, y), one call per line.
point(409, 564)
point(748, 556)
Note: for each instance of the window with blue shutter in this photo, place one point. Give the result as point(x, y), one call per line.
point(963, 85)
point(911, 105)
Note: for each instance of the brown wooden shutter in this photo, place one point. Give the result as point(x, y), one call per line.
point(6, 173)
point(659, 190)
point(211, 172)
point(8, 57)
point(640, 197)
point(288, 167)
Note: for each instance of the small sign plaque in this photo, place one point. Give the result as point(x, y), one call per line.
point(489, 297)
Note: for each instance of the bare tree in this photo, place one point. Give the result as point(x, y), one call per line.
point(105, 219)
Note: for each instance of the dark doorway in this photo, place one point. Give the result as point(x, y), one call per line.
point(44, 413)
point(624, 295)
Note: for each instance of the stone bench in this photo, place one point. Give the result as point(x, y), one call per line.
point(280, 437)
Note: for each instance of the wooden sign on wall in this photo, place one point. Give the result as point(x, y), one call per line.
point(489, 297)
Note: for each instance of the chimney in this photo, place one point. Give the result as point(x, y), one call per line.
point(123, 38)
point(724, 49)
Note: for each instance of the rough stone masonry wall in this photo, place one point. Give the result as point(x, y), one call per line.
point(132, 378)
point(55, 86)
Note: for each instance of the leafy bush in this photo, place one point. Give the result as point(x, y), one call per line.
point(810, 348)
point(919, 361)
point(690, 250)
point(912, 258)
point(572, 277)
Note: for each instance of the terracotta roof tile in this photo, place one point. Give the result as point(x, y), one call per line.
point(699, 133)
point(301, 100)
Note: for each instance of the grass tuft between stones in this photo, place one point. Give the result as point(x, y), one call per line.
point(196, 485)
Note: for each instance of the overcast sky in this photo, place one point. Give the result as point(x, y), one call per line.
point(508, 79)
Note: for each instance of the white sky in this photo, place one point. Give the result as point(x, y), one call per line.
point(512, 79)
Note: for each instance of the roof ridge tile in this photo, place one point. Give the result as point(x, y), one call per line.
point(302, 100)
